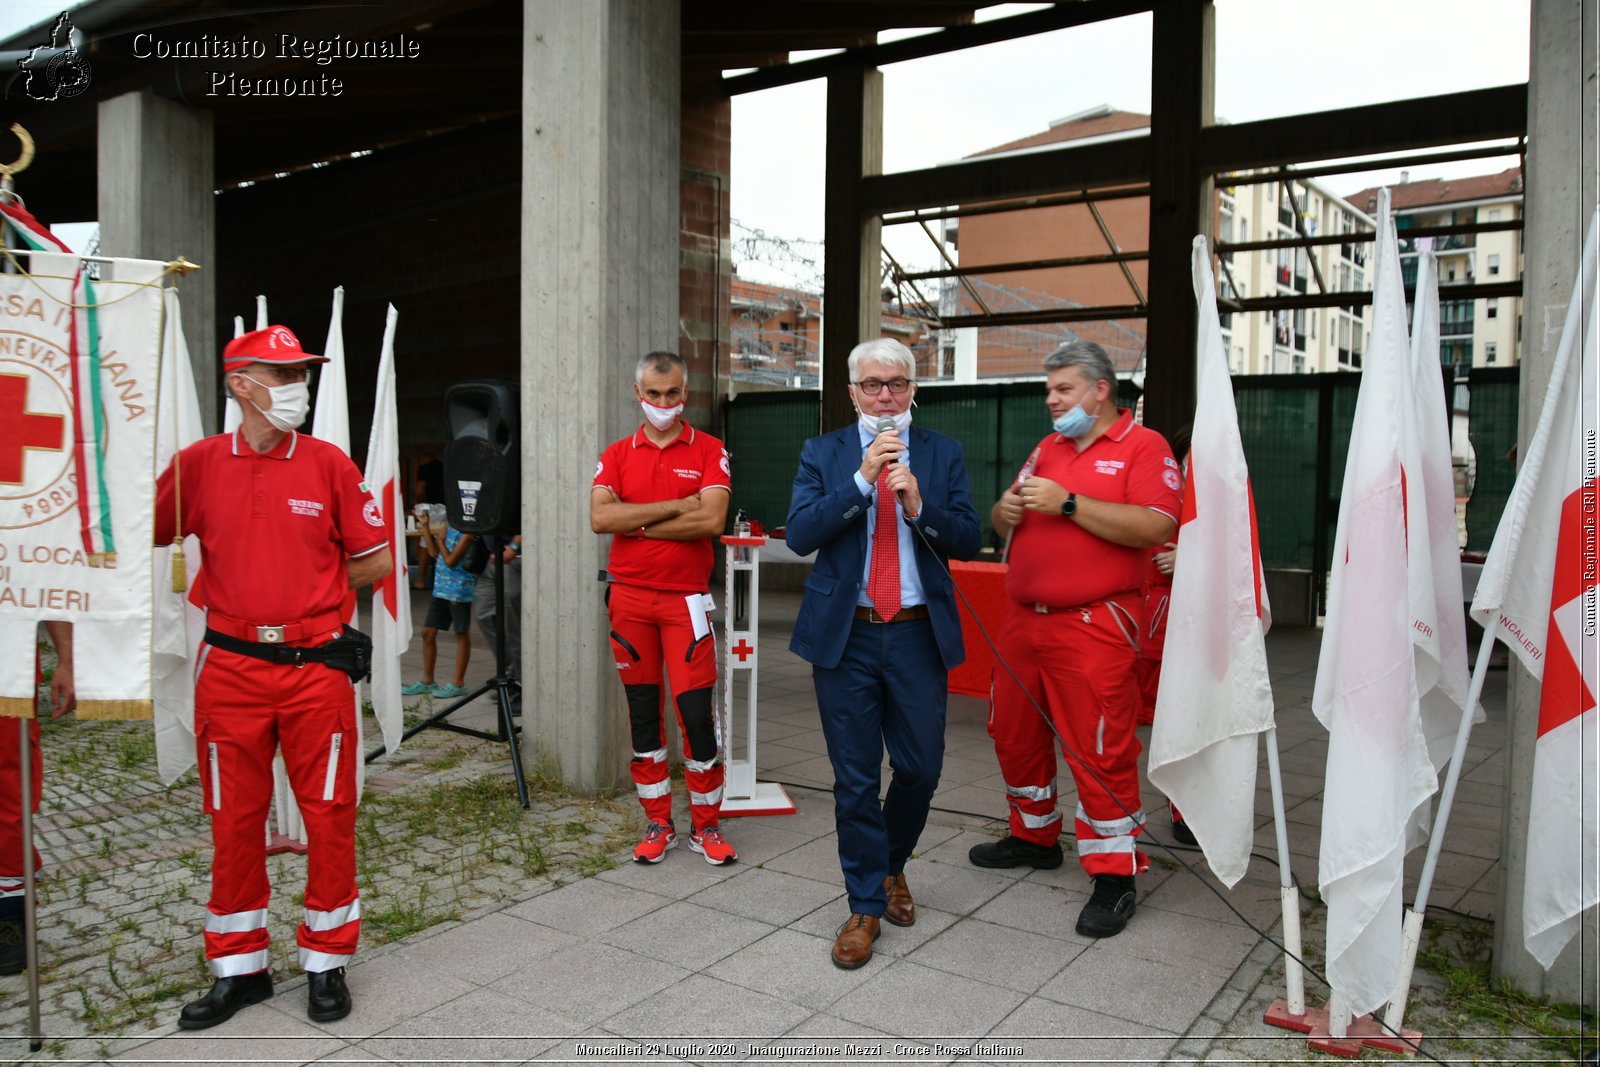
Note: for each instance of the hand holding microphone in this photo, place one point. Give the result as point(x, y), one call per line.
point(884, 452)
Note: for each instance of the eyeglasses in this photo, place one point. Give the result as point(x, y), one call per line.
point(286, 373)
point(874, 386)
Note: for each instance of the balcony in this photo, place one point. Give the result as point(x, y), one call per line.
point(1460, 328)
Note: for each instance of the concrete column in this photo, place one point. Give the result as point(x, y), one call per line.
point(1560, 192)
point(600, 180)
point(156, 201)
point(852, 306)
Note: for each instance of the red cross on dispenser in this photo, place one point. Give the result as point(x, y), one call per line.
point(22, 430)
point(744, 649)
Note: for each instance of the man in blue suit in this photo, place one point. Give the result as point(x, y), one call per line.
point(883, 504)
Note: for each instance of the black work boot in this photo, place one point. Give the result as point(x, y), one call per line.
point(1015, 852)
point(329, 997)
point(13, 953)
point(226, 996)
point(1110, 906)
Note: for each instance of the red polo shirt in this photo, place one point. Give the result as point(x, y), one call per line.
point(276, 527)
point(1055, 561)
point(638, 471)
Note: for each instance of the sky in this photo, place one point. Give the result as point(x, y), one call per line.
point(1273, 58)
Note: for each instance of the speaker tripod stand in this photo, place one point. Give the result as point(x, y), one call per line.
point(502, 685)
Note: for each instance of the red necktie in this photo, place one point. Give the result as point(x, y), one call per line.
point(883, 580)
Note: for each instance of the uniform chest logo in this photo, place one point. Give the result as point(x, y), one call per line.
point(686, 472)
point(1109, 466)
point(312, 508)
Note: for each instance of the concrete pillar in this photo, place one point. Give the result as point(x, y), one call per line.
point(1560, 192)
point(600, 181)
point(852, 306)
point(156, 200)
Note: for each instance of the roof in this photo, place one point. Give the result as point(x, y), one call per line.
point(1095, 122)
point(1437, 192)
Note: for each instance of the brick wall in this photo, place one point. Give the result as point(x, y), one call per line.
point(703, 266)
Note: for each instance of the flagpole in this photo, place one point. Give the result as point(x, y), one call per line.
point(1289, 896)
point(1412, 931)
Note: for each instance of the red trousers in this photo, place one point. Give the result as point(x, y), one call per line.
point(11, 810)
point(245, 709)
point(1077, 664)
point(652, 633)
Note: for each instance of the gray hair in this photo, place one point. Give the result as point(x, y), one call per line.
point(661, 362)
point(885, 350)
point(1089, 358)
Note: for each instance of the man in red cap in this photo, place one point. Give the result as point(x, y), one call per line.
point(288, 528)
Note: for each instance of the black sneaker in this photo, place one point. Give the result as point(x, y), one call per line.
point(1110, 908)
point(1015, 852)
point(1183, 835)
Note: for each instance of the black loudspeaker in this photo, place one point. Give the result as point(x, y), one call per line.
point(482, 473)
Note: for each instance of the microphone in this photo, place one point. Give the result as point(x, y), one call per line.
point(886, 425)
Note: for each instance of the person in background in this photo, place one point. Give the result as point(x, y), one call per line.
point(1157, 594)
point(884, 504)
point(63, 695)
point(662, 494)
point(506, 554)
point(450, 609)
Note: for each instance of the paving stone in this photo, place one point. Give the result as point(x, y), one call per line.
point(770, 896)
point(705, 1008)
point(687, 935)
point(589, 982)
point(1168, 995)
point(792, 966)
point(998, 955)
point(909, 999)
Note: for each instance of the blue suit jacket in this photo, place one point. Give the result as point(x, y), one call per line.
point(828, 514)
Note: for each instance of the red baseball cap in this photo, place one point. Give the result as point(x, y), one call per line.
point(275, 344)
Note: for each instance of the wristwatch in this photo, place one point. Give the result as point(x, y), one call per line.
point(1069, 506)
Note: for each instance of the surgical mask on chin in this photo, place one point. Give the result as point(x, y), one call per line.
point(1075, 422)
point(660, 418)
point(869, 423)
point(289, 404)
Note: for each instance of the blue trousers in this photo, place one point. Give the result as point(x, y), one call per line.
point(889, 691)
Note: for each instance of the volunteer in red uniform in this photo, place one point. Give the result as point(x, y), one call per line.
point(288, 528)
point(662, 492)
point(63, 695)
point(1102, 493)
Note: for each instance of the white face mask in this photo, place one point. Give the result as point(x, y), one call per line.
point(902, 422)
point(289, 403)
point(661, 418)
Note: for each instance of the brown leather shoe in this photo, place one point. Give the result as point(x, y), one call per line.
point(854, 944)
point(901, 909)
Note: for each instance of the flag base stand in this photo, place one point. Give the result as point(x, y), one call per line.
point(1361, 1032)
point(768, 798)
point(278, 843)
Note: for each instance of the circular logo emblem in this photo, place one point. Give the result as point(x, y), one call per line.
point(1171, 478)
point(598, 467)
point(725, 469)
point(370, 512)
point(37, 480)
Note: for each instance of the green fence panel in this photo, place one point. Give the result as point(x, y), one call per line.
point(1278, 429)
point(765, 432)
point(1493, 398)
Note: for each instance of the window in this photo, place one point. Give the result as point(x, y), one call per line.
point(1494, 214)
point(1494, 263)
point(1491, 351)
point(1492, 307)
point(1451, 276)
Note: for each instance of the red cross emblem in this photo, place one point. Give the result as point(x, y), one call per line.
point(743, 650)
point(21, 429)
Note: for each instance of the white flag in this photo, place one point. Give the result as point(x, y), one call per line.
point(1378, 771)
point(1538, 590)
point(1215, 696)
point(391, 602)
point(180, 620)
point(1433, 541)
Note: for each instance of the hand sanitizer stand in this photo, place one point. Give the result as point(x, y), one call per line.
point(741, 793)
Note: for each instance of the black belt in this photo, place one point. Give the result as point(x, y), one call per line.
point(351, 652)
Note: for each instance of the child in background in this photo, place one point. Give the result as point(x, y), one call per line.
point(450, 608)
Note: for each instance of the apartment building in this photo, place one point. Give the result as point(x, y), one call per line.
point(1479, 333)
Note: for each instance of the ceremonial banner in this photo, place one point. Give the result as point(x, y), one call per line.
point(1538, 591)
point(180, 620)
point(391, 600)
point(1215, 697)
point(1378, 771)
point(77, 448)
